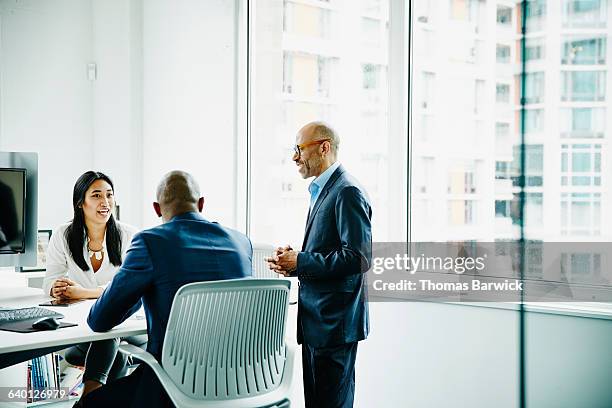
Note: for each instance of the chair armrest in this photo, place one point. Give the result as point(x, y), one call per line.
point(171, 389)
point(143, 355)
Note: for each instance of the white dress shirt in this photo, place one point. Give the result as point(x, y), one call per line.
point(60, 263)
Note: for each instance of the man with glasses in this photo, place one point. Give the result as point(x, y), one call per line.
point(337, 250)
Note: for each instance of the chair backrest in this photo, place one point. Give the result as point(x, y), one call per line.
point(260, 266)
point(226, 339)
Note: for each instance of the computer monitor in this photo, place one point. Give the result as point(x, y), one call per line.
point(12, 210)
point(18, 208)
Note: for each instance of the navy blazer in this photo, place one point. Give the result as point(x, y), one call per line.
point(161, 260)
point(337, 250)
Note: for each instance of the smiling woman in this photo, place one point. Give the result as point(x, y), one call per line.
point(82, 258)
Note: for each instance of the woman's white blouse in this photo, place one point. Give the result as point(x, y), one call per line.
point(60, 262)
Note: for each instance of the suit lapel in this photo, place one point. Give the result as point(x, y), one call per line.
point(312, 213)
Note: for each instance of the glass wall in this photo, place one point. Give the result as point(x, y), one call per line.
point(508, 130)
point(493, 108)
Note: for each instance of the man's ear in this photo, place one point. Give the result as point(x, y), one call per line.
point(325, 148)
point(200, 204)
point(157, 209)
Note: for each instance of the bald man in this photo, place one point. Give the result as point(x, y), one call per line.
point(186, 248)
point(337, 250)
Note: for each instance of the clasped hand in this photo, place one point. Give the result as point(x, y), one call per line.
point(284, 261)
point(64, 288)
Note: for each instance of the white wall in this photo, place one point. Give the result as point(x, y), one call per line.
point(189, 96)
point(45, 97)
point(441, 355)
point(117, 100)
point(438, 355)
point(163, 98)
point(569, 361)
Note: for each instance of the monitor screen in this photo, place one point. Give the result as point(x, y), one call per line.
point(12, 210)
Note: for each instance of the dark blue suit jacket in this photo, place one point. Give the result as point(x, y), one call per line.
point(161, 260)
point(337, 250)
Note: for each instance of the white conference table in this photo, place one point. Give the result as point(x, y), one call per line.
point(77, 313)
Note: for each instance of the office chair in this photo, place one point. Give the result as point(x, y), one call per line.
point(225, 345)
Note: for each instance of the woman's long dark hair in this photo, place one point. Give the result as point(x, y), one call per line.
point(77, 230)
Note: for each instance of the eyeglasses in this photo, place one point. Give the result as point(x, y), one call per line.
point(297, 149)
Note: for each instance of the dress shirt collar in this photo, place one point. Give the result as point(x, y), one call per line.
point(318, 183)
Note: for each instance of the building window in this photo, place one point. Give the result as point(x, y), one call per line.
point(504, 15)
point(534, 210)
point(422, 174)
point(502, 93)
point(370, 76)
point(423, 11)
point(287, 73)
point(428, 90)
point(462, 180)
point(534, 165)
point(314, 73)
point(534, 50)
point(479, 96)
point(374, 79)
point(535, 14)
point(324, 67)
point(306, 20)
point(502, 130)
point(370, 31)
point(581, 214)
point(502, 170)
point(534, 87)
point(583, 85)
point(584, 13)
point(502, 55)
point(583, 123)
point(502, 208)
point(581, 267)
point(583, 51)
point(461, 212)
point(471, 11)
point(581, 165)
point(534, 120)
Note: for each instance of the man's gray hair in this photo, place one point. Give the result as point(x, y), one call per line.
point(178, 190)
point(322, 131)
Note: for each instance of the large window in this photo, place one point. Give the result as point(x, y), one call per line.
point(476, 139)
point(330, 62)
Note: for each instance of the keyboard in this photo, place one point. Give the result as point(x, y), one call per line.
point(27, 313)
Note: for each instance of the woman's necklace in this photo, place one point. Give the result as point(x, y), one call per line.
point(94, 252)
